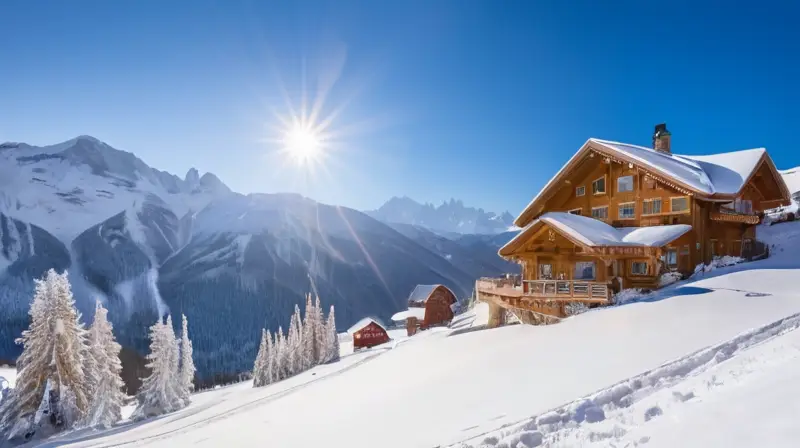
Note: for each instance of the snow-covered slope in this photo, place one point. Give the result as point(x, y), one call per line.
point(609, 377)
point(448, 218)
point(148, 242)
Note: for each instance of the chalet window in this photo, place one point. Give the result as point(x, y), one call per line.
point(546, 271)
point(680, 204)
point(627, 210)
point(639, 268)
point(743, 205)
point(599, 186)
point(671, 257)
point(651, 206)
point(685, 250)
point(575, 211)
point(600, 213)
point(585, 270)
point(580, 191)
point(625, 183)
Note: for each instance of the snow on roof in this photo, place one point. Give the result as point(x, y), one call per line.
point(421, 293)
point(729, 171)
point(592, 232)
point(678, 168)
point(419, 313)
point(792, 179)
point(363, 323)
point(712, 174)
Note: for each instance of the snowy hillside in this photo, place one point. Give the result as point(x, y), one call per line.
point(448, 219)
point(708, 362)
point(148, 242)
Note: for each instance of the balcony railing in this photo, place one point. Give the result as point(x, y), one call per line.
point(730, 215)
point(545, 289)
point(574, 289)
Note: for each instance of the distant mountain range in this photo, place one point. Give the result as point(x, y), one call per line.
point(148, 242)
point(448, 219)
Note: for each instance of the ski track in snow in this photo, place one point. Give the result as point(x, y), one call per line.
point(572, 424)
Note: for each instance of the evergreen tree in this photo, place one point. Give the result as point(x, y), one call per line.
point(104, 351)
point(69, 382)
point(269, 369)
point(319, 333)
point(259, 373)
point(51, 366)
point(333, 337)
point(280, 355)
point(298, 330)
point(33, 368)
point(187, 369)
point(158, 393)
point(310, 353)
point(292, 353)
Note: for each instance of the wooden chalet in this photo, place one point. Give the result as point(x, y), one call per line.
point(367, 333)
point(617, 216)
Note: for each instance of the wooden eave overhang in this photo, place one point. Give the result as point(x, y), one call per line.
point(511, 250)
point(593, 149)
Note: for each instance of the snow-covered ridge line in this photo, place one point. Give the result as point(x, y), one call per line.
point(549, 427)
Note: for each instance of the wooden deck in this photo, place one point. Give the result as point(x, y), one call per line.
point(558, 290)
point(539, 301)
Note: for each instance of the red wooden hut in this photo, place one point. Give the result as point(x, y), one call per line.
point(437, 300)
point(367, 333)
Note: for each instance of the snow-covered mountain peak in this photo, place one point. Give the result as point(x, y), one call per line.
point(451, 216)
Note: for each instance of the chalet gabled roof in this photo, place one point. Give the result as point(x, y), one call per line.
point(363, 323)
point(712, 177)
point(421, 293)
point(590, 232)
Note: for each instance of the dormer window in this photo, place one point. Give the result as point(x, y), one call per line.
point(580, 191)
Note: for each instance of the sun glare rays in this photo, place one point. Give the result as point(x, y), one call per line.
point(312, 148)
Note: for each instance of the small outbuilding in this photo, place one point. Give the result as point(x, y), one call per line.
point(413, 318)
point(437, 300)
point(368, 332)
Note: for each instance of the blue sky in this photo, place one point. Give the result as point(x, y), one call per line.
point(433, 99)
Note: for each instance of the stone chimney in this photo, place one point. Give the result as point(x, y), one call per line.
point(661, 139)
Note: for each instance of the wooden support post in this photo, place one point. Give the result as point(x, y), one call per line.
point(497, 315)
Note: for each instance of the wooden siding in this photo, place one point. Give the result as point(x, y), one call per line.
point(370, 336)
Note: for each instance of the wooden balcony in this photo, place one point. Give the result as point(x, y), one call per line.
point(726, 214)
point(552, 290)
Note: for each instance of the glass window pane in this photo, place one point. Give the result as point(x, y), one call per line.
point(680, 204)
point(627, 211)
point(625, 183)
point(585, 270)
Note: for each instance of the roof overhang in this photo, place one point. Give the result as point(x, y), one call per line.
point(512, 249)
point(595, 148)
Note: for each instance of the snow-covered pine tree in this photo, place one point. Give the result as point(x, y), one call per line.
point(104, 350)
point(280, 355)
point(259, 374)
point(269, 363)
point(319, 333)
point(292, 346)
point(310, 354)
point(51, 366)
point(33, 368)
point(174, 361)
point(299, 357)
point(69, 381)
point(332, 337)
point(158, 393)
point(186, 369)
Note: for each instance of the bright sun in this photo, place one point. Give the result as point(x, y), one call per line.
point(303, 144)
